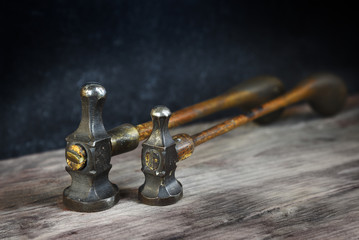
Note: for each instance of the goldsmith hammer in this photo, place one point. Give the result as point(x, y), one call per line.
point(325, 93)
point(90, 147)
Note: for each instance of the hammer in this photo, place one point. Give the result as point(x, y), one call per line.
point(325, 93)
point(246, 95)
point(90, 147)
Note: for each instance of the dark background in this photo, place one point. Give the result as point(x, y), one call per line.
point(146, 53)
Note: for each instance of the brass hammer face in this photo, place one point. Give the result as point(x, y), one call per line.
point(159, 159)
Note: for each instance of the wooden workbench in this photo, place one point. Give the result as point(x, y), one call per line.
point(296, 179)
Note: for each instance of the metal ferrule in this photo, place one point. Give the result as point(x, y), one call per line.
point(124, 138)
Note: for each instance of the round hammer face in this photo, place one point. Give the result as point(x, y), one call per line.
point(94, 206)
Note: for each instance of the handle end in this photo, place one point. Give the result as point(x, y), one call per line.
point(329, 95)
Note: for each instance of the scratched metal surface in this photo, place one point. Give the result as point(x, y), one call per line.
point(296, 179)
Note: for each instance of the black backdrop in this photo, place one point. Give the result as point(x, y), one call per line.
point(146, 53)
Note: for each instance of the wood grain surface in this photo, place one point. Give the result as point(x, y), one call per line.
point(295, 179)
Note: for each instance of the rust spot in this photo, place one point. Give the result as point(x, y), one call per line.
point(184, 146)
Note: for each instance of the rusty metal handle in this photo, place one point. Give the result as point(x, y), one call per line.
point(326, 93)
point(246, 95)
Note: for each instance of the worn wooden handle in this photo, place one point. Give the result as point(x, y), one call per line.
point(326, 93)
point(247, 95)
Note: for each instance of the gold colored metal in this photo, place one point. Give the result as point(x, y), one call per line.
point(76, 157)
point(124, 138)
point(152, 159)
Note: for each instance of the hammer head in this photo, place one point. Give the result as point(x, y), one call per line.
point(88, 155)
point(159, 159)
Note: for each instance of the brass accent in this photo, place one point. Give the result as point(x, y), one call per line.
point(152, 159)
point(124, 138)
point(76, 157)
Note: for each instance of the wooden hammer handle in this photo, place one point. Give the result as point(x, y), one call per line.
point(246, 95)
point(326, 94)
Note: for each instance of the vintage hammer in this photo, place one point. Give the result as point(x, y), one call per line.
point(325, 93)
point(90, 147)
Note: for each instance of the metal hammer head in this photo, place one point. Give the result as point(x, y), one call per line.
point(159, 159)
point(88, 155)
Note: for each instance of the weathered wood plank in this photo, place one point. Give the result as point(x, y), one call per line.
point(296, 179)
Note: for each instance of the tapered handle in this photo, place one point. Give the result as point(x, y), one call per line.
point(326, 93)
point(247, 95)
